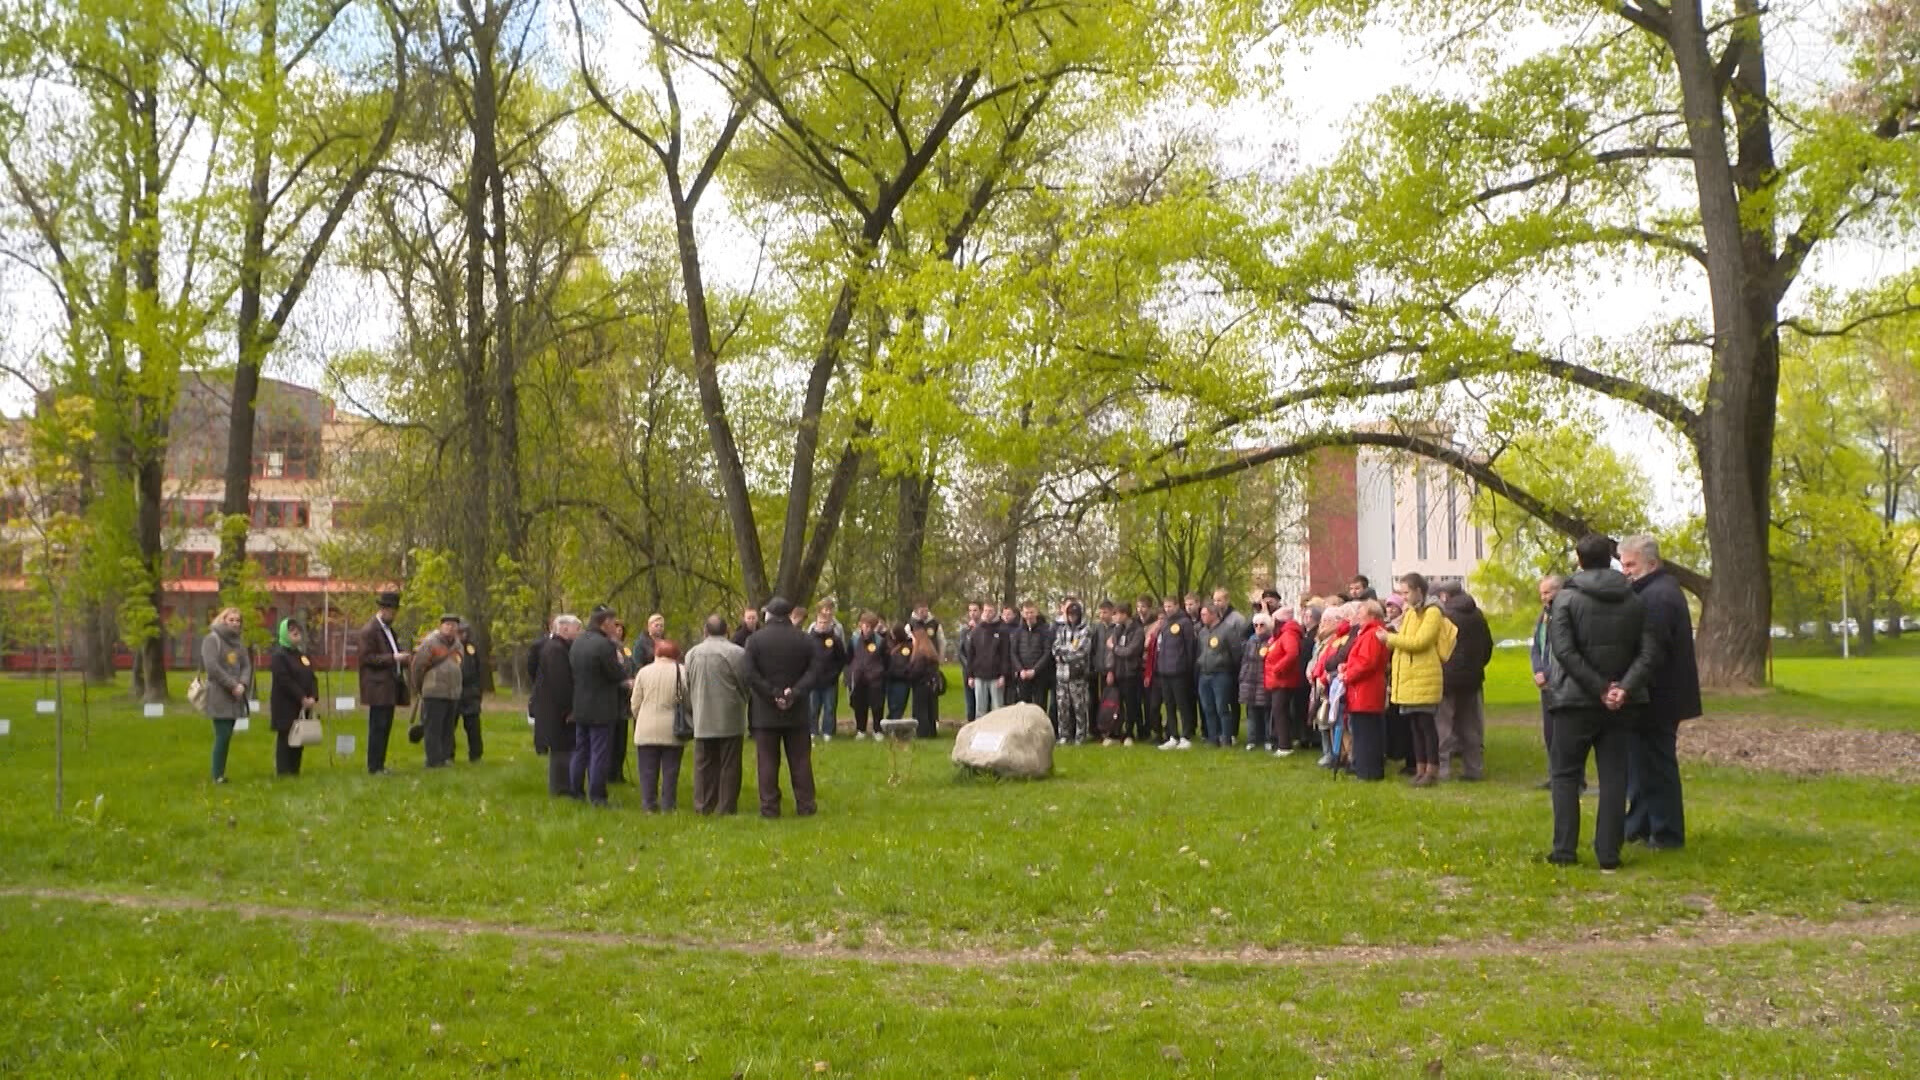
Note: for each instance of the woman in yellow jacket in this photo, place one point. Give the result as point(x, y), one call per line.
point(1417, 681)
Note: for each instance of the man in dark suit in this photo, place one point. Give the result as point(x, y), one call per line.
point(383, 686)
point(783, 665)
point(600, 685)
point(551, 704)
point(1656, 816)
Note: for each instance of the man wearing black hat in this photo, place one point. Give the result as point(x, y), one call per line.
point(381, 685)
point(783, 665)
point(436, 674)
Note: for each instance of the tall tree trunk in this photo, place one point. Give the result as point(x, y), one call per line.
point(249, 352)
point(152, 420)
point(1736, 426)
point(914, 503)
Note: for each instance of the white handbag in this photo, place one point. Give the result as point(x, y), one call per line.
point(306, 731)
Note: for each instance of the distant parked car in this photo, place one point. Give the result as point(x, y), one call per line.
point(1909, 622)
point(1808, 629)
point(1779, 632)
point(1884, 626)
point(1851, 626)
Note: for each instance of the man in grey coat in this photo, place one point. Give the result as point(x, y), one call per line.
point(717, 693)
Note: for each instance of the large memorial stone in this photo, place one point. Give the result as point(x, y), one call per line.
point(1016, 741)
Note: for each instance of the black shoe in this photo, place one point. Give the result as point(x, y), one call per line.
point(1553, 859)
point(1544, 785)
point(1663, 845)
point(1608, 868)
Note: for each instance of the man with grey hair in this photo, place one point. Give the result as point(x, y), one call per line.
point(1656, 815)
point(718, 692)
point(1542, 660)
point(550, 704)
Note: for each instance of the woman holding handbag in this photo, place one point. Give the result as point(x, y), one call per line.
point(658, 690)
point(295, 691)
point(229, 682)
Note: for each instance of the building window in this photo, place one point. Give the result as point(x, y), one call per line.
point(1453, 515)
point(281, 564)
point(276, 465)
point(1420, 512)
point(279, 514)
point(189, 565)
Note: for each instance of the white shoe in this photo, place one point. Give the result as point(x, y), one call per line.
point(1170, 744)
point(1108, 742)
point(1250, 746)
point(1283, 753)
point(1126, 742)
point(827, 738)
point(1186, 744)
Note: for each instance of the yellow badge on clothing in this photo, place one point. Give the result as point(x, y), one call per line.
point(1174, 629)
point(1213, 643)
point(304, 662)
point(1264, 650)
point(469, 650)
point(906, 652)
point(871, 647)
point(233, 658)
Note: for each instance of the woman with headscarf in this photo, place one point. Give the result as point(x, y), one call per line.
point(295, 690)
point(229, 673)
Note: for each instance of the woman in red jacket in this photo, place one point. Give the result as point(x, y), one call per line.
point(1365, 675)
point(1285, 678)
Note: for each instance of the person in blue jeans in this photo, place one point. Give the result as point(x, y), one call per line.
point(1218, 669)
point(823, 700)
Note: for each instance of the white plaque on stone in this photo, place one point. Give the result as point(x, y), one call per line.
point(44, 708)
point(343, 704)
point(6, 727)
point(343, 744)
point(153, 710)
point(988, 741)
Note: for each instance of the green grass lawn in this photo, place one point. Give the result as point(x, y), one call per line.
point(906, 930)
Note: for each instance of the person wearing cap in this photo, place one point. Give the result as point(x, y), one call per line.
point(783, 667)
point(471, 684)
point(294, 691)
point(436, 675)
point(382, 686)
point(1072, 657)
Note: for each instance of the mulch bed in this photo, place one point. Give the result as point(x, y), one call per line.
point(1801, 749)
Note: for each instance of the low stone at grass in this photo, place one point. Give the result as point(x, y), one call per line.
point(1014, 742)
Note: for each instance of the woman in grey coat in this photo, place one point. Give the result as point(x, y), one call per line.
point(229, 673)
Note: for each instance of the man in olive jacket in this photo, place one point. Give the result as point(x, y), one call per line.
point(1656, 816)
point(1603, 652)
point(718, 692)
point(600, 685)
point(436, 673)
point(783, 666)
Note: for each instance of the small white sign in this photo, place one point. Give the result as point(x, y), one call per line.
point(343, 744)
point(240, 724)
point(44, 708)
point(6, 727)
point(343, 704)
point(988, 741)
point(154, 710)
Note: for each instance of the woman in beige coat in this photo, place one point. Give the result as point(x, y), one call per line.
point(656, 691)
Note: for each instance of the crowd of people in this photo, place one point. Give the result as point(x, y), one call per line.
point(1364, 681)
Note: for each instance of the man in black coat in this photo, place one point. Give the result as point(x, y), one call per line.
point(550, 703)
point(1175, 652)
point(783, 666)
point(600, 685)
point(1461, 718)
point(1603, 654)
point(470, 686)
point(1656, 815)
point(1030, 645)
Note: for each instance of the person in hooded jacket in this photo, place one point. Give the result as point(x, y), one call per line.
point(867, 675)
point(1254, 697)
point(1283, 675)
point(1604, 652)
point(228, 667)
point(1461, 720)
point(1176, 648)
point(295, 690)
point(1126, 654)
point(1072, 653)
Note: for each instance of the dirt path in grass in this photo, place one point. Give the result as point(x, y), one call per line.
point(1712, 931)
